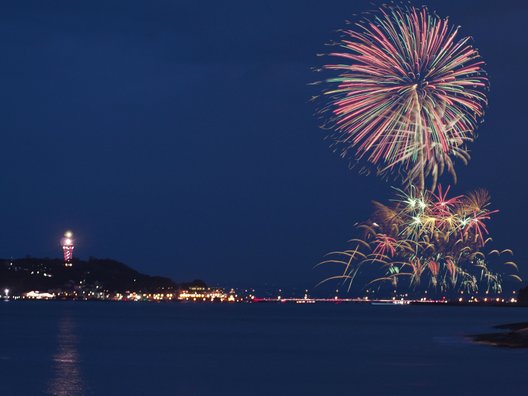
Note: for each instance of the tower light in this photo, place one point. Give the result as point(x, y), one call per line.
point(68, 244)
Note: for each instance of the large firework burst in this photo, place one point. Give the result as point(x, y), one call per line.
point(424, 236)
point(408, 93)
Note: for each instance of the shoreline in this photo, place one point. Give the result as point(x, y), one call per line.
point(289, 301)
point(516, 338)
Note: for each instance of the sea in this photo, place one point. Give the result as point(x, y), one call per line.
point(118, 348)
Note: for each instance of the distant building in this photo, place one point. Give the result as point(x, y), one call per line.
point(199, 293)
point(67, 243)
point(36, 295)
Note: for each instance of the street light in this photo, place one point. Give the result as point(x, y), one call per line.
point(6, 292)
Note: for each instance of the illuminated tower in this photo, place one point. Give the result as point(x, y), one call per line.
point(67, 248)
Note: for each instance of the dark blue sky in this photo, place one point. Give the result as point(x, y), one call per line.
point(177, 136)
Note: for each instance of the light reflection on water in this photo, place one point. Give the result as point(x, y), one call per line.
point(75, 348)
point(67, 379)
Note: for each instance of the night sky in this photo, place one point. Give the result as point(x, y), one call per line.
point(178, 136)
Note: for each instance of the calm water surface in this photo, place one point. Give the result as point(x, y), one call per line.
point(83, 348)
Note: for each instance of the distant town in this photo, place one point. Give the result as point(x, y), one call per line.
point(97, 279)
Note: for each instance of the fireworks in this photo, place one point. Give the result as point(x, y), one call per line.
point(407, 95)
point(427, 237)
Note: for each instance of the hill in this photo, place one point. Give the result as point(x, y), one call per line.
point(45, 274)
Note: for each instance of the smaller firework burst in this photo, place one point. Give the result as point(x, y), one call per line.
point(427, 240)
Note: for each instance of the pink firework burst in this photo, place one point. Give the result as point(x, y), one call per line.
point(408, 93)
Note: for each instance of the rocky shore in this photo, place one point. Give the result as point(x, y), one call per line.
point(515, 336)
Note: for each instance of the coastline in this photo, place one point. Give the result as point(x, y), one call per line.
point(516, 337)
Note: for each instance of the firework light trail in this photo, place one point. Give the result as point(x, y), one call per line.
point(406, 95)
point(432, 240)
